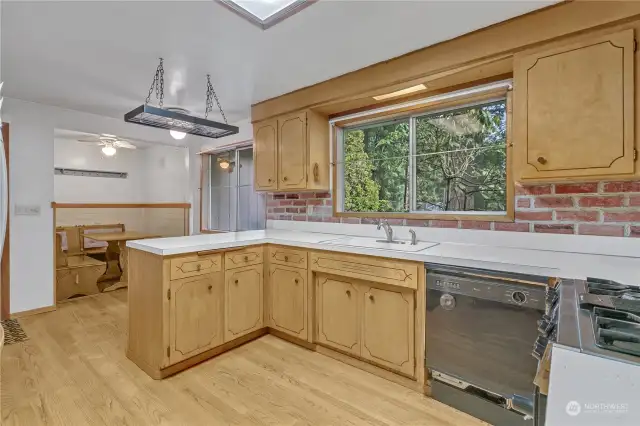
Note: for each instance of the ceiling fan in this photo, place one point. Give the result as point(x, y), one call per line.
point(109, 143)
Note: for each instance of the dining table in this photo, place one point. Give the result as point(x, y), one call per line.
point(116, 255)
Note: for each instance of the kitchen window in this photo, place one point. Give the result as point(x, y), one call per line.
point(229, 201)
point(445, 157)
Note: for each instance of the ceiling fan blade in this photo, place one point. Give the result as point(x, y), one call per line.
point(124, 144)
point(89, 140)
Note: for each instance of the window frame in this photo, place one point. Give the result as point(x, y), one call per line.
point(412, 111)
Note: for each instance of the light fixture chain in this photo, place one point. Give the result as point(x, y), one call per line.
point(211, 95)
point(157, 84)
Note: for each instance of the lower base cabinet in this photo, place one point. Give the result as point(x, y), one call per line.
point(388, 331)
point(338, 315)
point(243, 301)
point(288, 300)
point(374, 323)
point(195, 315)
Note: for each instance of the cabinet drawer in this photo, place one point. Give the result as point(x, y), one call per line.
point(190, 266)
point(244, 257)
point(404, 274)
point(288, 257)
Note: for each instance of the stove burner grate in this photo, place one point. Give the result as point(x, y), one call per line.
point(617, 331)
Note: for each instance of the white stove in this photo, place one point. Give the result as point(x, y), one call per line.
point(595, 363)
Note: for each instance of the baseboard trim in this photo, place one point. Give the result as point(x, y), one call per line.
point(30, 312)
point(295, 340)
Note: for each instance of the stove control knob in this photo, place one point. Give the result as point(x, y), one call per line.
point(519, 297)
point(448, 302)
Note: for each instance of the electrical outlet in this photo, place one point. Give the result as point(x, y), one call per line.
point(27, 210)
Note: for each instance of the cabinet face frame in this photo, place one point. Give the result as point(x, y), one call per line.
point(531, 169)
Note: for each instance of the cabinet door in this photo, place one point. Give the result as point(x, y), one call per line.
point(288, 300)
point(292, 152)
point(265, 139)
point(574, 109)
point(195, 315)
point(337, 314)
point(388, 328)
point(243, 301)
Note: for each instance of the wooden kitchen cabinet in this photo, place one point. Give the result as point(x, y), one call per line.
point(265, 155)
point(337, 314)
point(574, 109)
point(288, 300)
point(243, 301)
point(388, 329)
point(291, 152)
point(195, 315)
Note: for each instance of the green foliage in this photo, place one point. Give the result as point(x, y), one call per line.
point(460, 163)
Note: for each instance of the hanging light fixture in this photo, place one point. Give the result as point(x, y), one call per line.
point(178, 121)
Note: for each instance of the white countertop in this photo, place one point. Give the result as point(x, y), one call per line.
point(625, 269)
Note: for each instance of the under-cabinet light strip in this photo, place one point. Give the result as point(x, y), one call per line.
point(507, 84)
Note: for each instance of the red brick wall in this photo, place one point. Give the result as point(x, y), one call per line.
point(592, 208)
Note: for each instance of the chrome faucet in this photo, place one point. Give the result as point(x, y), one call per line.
point(382, 223)
point(414, 237)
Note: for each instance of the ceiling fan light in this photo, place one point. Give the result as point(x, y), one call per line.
point(109, 150)
point(224, 164)
point(177, 135)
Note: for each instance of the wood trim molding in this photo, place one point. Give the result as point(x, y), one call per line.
point(5, 265)
point(120, 205)
point(30, 312)
point(504, 38)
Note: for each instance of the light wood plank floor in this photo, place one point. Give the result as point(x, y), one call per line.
point(73, 372)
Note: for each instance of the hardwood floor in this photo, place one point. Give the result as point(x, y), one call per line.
point(73, 372)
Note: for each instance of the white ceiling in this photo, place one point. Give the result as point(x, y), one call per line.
point(100, 57)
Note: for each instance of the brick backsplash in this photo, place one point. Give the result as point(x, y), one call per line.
point(591, 208)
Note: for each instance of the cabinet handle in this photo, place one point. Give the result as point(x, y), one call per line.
point(210, 287)
point(269, 180)
point(286, 258)
point(316, 172)
point(246, 258)
point(542, 160)
point(198, 267)
point(235, 282)
point(349, 293)
point(371, 297)
point(295, 281)
point(284, 179)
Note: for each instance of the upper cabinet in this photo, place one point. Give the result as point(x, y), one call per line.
point(574, 109)
point(292, 153)
point(265, 140)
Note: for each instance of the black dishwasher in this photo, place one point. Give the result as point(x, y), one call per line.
point(481, 326)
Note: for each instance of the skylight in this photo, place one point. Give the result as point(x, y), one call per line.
point(266, 13)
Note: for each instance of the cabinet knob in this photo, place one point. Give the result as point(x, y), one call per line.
point(286, 258)
point(198, 267)
point(542, 160)
point(269, 180)
point(371, 297)
point(284, 178)
point(246, 258)
point(349, 293)
point(295, 281)
point(235, 282)
point(210, 287)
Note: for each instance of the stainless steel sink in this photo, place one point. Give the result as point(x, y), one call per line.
point(397, 245)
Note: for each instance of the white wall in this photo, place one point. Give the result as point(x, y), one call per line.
point(156, 174)
point(31, 182)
